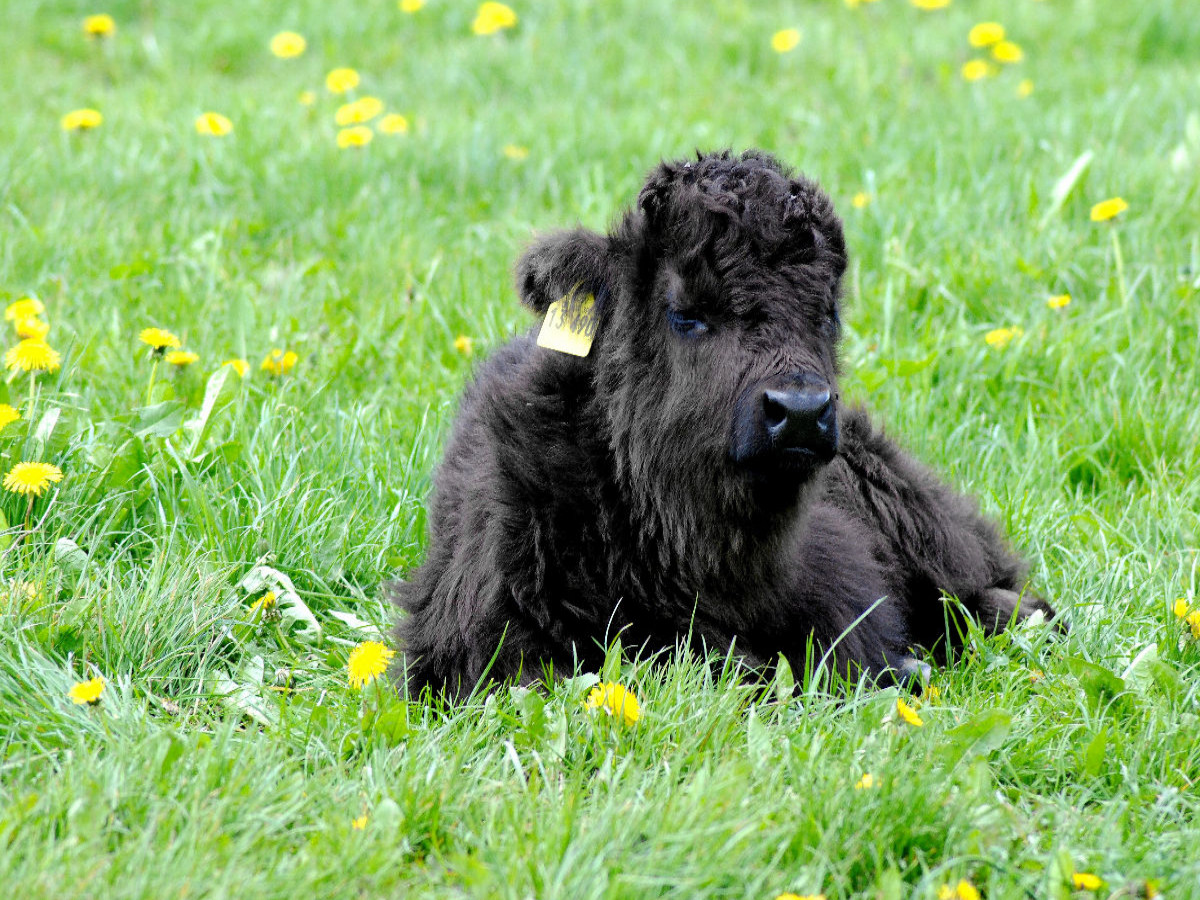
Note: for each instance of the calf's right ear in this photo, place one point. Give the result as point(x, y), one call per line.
point(561, 262)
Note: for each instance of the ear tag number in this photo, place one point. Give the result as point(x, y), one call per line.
point(570, 325)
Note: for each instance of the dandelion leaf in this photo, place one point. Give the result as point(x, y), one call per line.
point(199, 426)
point(294, 611)
point(160, 420)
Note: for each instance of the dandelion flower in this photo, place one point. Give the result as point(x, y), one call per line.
point(182, 358)
point(1086, 881)
point(964, 890)
point(87, 691)
point(354, 136)
point(265, 603)
point(410, 6)
point(238, 365)
point(1008, 52)
point(791, 896)
point(985, 34)
point(1036, 675)
point(288, 44)
point(358, 111)
point(861, 200)
point(1058, 301)
point(81, 120)
point(159, 338)
point(392, 123)
point(908, 714)
point(32, 478)
point(786, 40)
point(464, 345)
point(930, 4)
point(866, 782)
point(99, 26)
point(516, 152)
point(32, 355)
point(213, 124)
point(999, 338)
point(31, 327)
point(23, 309)
point(493, 17)
point(360, 823)
point(615, 700)
point(308, 98)
point(1190, 617)
point(976, 69)
point(932, 692)
point(8, 415)
point(338, 81)
point(1025, 88)
point(1108, 209)
point(367, 662)
point(1180, 607)
point(279, 362)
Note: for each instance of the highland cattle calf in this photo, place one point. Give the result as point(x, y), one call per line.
point(667, 459)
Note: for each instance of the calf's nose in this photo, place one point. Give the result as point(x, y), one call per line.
point(800, 417)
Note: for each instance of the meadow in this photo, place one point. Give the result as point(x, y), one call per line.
point(221, 535)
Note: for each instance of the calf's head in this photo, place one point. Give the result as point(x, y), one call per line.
point(715, 358)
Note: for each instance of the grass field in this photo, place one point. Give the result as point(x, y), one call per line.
point(229, 757)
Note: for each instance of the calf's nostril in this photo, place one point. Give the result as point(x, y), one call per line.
point(775, 411)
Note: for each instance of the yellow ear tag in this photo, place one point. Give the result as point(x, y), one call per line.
point(570, 325)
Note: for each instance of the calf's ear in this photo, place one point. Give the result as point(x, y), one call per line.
point(558, 263)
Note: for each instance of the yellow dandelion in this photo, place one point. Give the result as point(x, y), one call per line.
point(964, 890)
point(8, 415)
point(977, 69)
point(786, 40)
point(360, 823)
point(392, 123)
point(464, 345)
point(985, 34)
point(25, 308)
point(1008, 52)
point(908, 714)
point(288, 44)
point(861, 200)
point(516, 152)
point(279, 362)
point(264, 603)
point(930, 4)
point(1086, 881)
point(238, 365)
point(213, 124)
point(182, 358)
point(410, 6)
point(1108, 209)
point(308, 98)
point(338, 81)
point(1058, 301)
point(358, 111)
point(1192, 620)
point(932, 692)
point(791, 896)
point(99, 26)
point(1180, 608)
point(1025, 88)
point(367, 662)
point(354, 136)
point(493, 17)
point(159, 338)
point(32, 478)
point(1036, 675)
point(32, 355)
point(81, 120)
point(615, 700)
point(866, 782)
point(999, 338)
point(87, 691)
point(31, 327)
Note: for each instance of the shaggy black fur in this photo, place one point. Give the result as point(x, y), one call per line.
point(640, 490)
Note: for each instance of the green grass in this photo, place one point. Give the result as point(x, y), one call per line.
point(228, 756)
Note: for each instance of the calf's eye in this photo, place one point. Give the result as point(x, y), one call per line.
point(686, 324)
